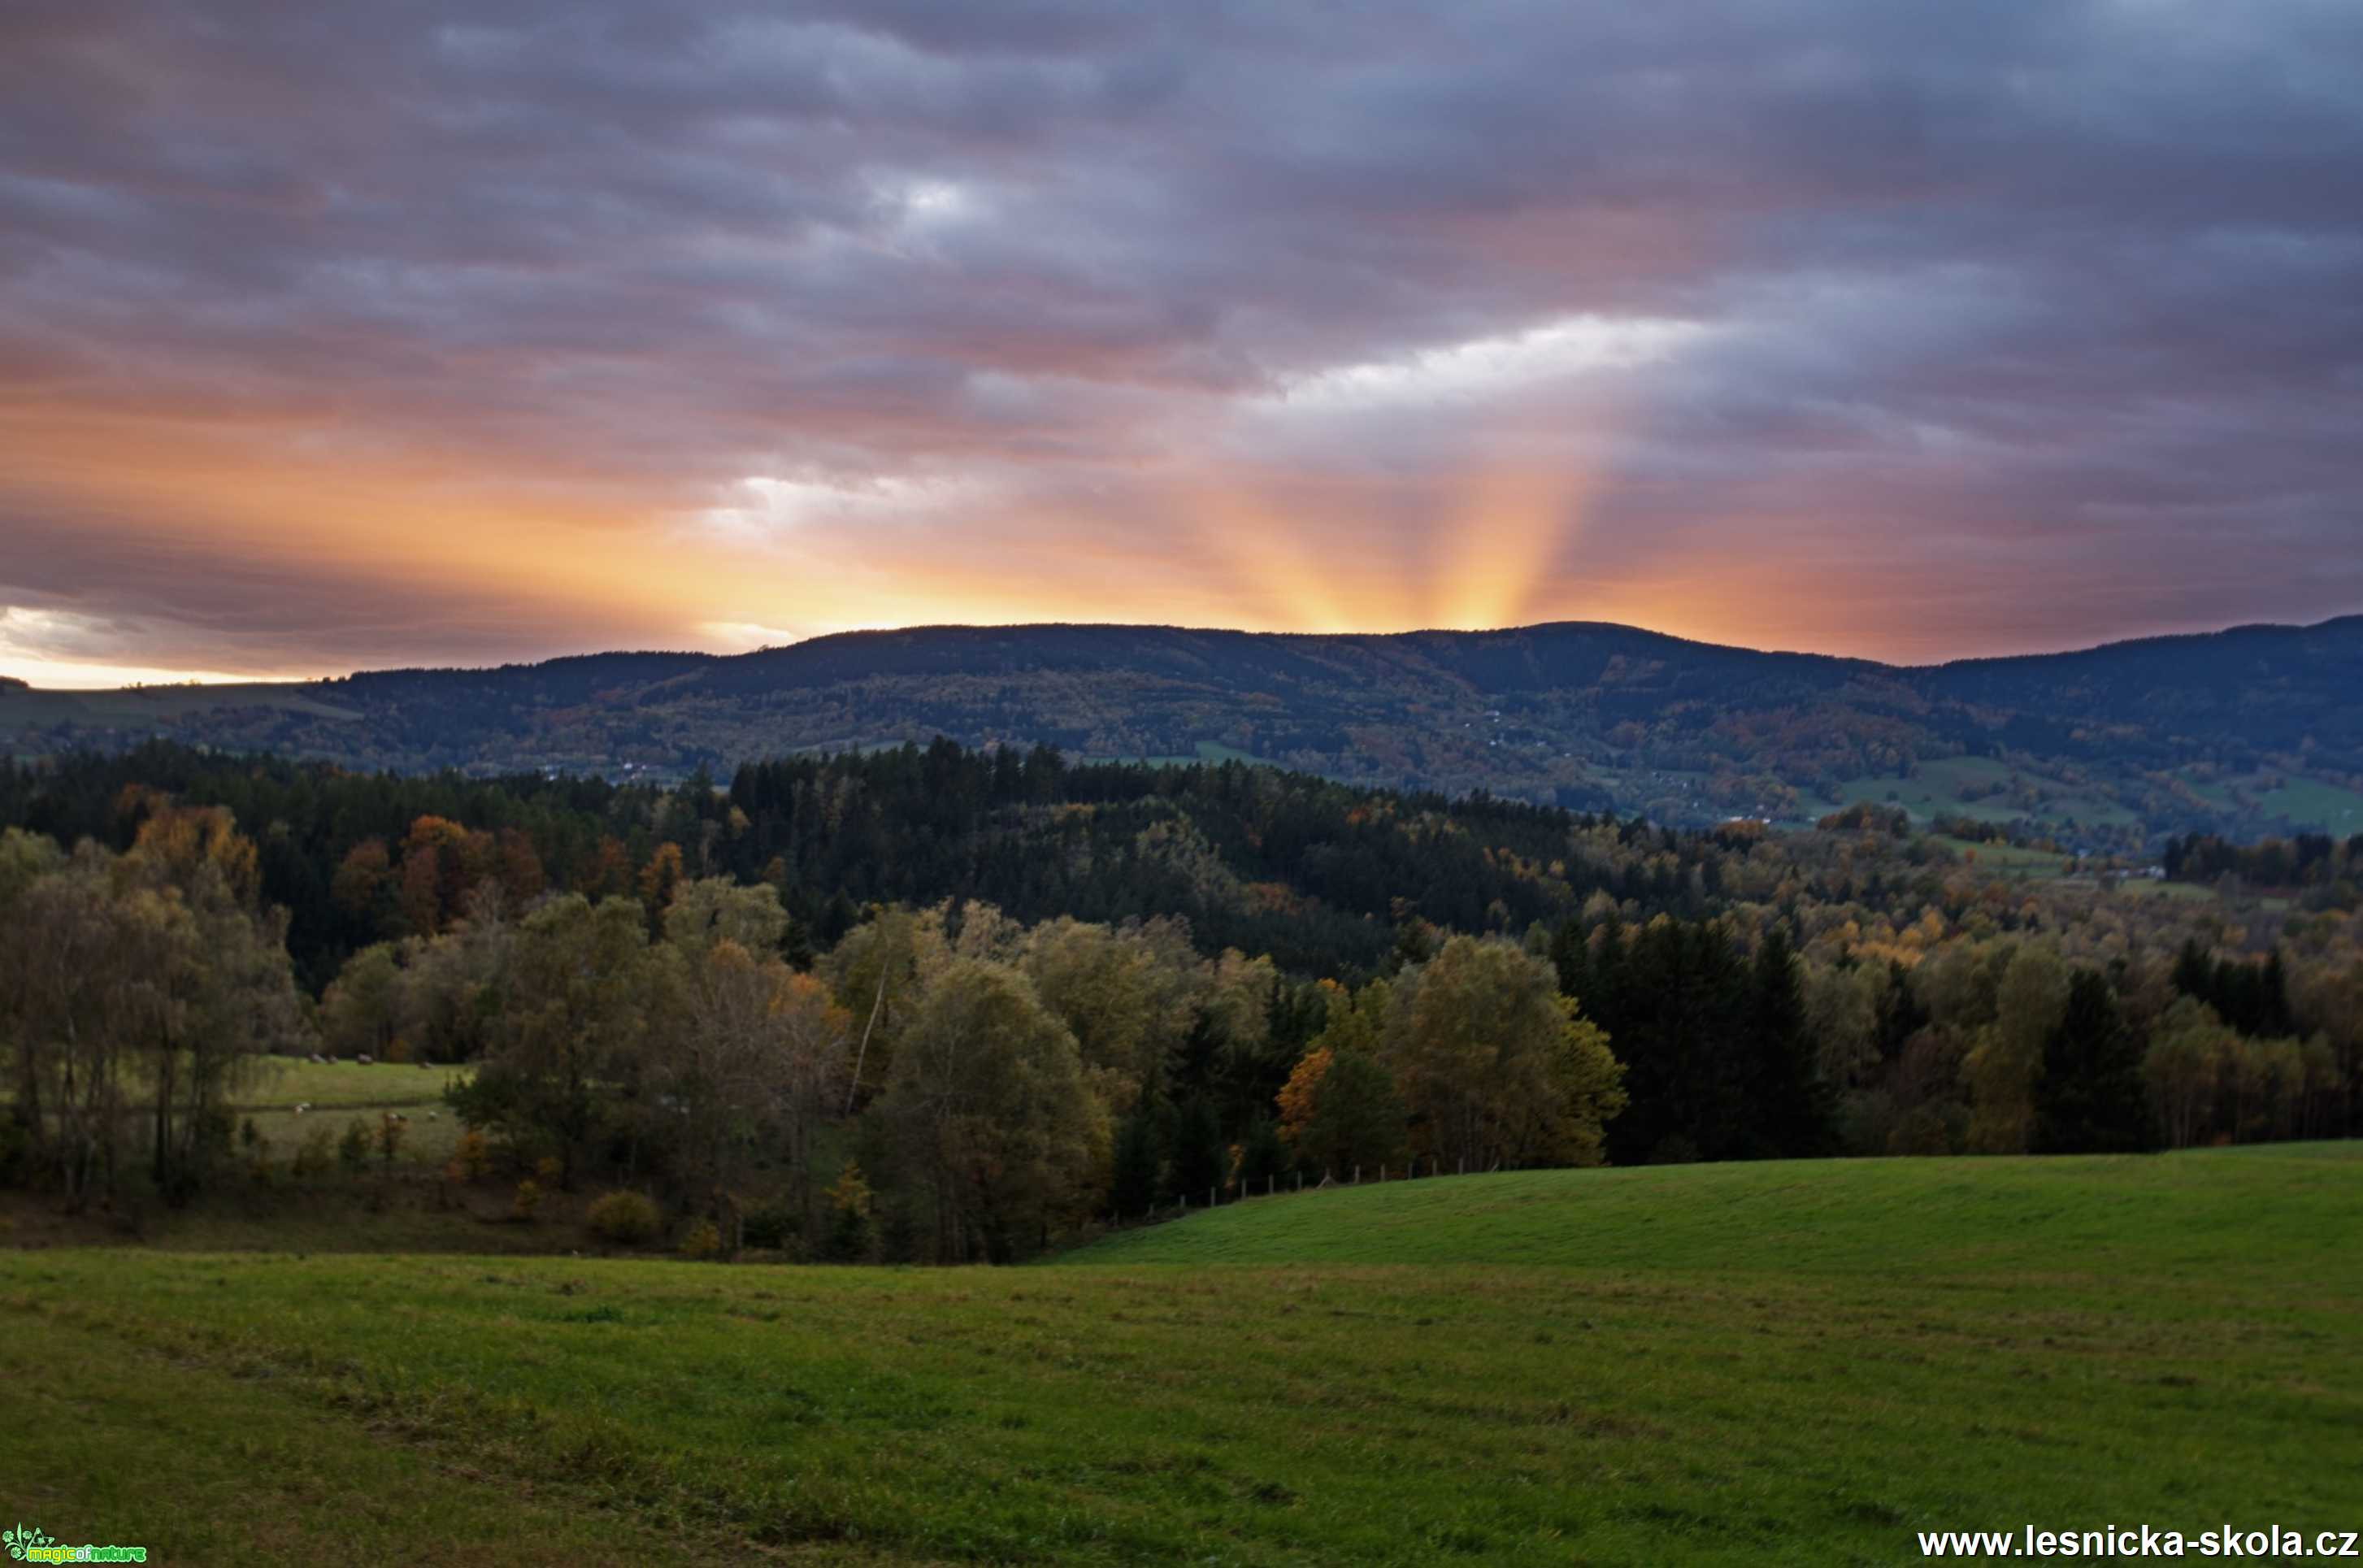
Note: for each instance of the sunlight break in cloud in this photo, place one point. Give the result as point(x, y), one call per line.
point(770, 508)
point(54, 650)
point(1492, 367)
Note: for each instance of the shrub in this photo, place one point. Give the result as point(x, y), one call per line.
point(774, 1229)
point(473, 1156)
point(528, 1198)
point(849, 1231)
point(353, 1148)
point(626, 1218)
point(702, 1241)
point(390, 1130)
point(313, 1159)
point(768, 1229)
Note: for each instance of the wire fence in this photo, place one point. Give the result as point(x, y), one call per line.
point(1243, 1189)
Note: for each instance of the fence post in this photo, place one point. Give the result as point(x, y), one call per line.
point(1358, 1175)
point(1210, 1197)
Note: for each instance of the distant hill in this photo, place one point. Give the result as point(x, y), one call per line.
point(2252, 730)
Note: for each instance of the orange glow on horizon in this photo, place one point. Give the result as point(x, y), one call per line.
point(579, 562)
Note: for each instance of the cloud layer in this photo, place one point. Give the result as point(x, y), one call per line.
point(338, 336)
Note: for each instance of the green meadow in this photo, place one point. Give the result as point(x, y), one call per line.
point(1802, 1362)
point(337, 1092)
point(1945, 787)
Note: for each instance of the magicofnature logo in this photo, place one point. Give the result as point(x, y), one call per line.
point(27, 1544)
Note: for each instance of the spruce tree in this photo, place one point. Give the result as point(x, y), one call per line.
point(1263, 1158)
point(2091, 1098)
point(1199, 1157)
point(1136, 1159)
point(1789, 1110)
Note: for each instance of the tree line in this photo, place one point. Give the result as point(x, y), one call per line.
point(679, 990)
point(2328, 871)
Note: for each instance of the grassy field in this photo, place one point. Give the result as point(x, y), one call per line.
point(2185, 892)
point(2015, 862)
point(284, 1082)
point(2309, 803)
point(1935, 791)
point(2300, 1206)
point(2329, 807)
point(337, 1092)
point(334, 1093)
point(1773, 1364)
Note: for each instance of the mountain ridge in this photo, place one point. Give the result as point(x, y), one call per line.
point(2246, 730)
point(701, 656)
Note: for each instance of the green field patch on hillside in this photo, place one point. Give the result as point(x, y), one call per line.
point(2017, 861)
point(335, 1094)
point(2151, 887)
point(283, 1082)
point(2307, 804)
point(2312, 803)
point(1963, 787)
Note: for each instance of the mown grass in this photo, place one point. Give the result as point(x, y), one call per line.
point(337, 1092)
point(285, 1081)
point(1792, 1363)
point(2294, 1205)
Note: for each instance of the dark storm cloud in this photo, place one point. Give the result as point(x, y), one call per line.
point(2047, 317)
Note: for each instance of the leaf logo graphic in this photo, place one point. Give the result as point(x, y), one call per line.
point(22, 1539)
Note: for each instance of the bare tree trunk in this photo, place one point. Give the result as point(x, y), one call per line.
point(854, 1086)
point(167, 1065)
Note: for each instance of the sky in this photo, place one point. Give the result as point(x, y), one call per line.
point(341, 336)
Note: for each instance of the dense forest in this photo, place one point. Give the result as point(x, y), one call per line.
point(944, 1003)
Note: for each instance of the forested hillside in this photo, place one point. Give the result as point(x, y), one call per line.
point(2241, 733)
point(943, 1003)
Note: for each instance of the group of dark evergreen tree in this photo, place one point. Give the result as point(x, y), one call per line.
point(1318, 874)
point(2327, 871)
point(1719, 1064)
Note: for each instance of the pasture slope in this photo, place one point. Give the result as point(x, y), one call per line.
point(1770, 1363)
